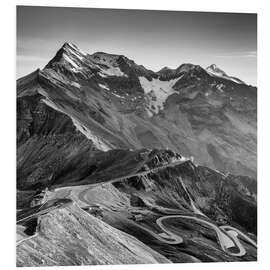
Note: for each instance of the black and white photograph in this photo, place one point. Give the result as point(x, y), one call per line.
point(136, 136)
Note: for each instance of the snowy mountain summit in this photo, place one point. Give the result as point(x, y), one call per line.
point(214, 70)
point(117, 103)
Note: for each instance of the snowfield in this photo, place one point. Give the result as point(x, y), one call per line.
point(112, 71)
point(158, 91)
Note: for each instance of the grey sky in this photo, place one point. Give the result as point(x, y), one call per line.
point(152, 38)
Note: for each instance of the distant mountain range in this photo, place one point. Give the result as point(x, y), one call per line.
point(101, 131)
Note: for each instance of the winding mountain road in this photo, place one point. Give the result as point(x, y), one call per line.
point(238, 232)
point(227, 239)
point(227, 235)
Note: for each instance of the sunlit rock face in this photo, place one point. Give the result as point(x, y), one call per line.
point(70, 236)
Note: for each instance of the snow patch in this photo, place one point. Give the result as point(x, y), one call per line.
point(102, 75)
point(104, 86)
point(78, 56)
point(75, 48)
point(69, 60)
point(113, 71)
point(157, 91)
point(182, 159)
point(226, 77)
point(236, 80)
point(117, 95)
point(108, 89)
point(76, 84)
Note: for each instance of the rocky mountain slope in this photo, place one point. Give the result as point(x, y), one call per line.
point(124, 105)
point(84, 240)
point(126, 147)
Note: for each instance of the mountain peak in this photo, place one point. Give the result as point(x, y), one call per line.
point(165, 70)
point(213, 66)
point(186, 67)
point(216, 70)
point(69, 54)
point(69, 46)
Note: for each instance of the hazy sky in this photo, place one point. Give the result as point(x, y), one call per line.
point(152, 38)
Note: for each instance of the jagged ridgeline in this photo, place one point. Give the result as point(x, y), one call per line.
point(158, 166)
